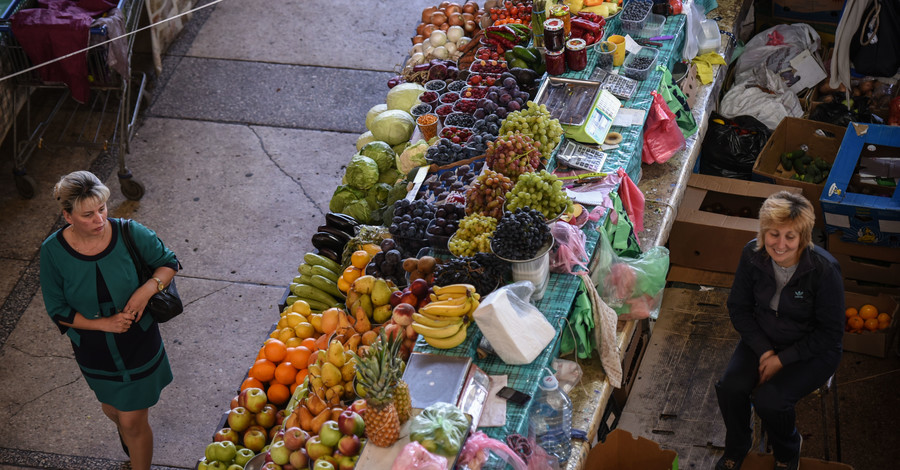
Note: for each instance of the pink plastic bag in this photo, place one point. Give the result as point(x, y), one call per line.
point(478, 445)
point(662, 136)
point(568, 251)
point(413, 456)
point(632, 200)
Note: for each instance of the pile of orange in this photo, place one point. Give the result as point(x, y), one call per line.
point(866, 318)
point(358, 262)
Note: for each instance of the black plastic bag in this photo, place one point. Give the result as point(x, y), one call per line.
point(838, 114)
point(875, 46)
point(731, 146)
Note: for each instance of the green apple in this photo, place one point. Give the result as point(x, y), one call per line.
point(322, 464)
point(235, 466)
point(243, 456)
point(202, 464)
point(223, 451)
point(330, 433)
point(280, 453)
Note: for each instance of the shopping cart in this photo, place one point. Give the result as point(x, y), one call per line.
point(106, 122)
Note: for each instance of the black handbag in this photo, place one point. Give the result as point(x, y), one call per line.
point(165, 304)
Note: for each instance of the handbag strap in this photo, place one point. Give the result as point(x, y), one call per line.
point(143, 270)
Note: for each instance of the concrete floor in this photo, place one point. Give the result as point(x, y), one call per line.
point(243, 142)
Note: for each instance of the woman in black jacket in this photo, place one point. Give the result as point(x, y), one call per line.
point(787, 304)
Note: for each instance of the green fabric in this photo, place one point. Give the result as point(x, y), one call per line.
point(671, 92)
point(577, 337)
point(621, 234)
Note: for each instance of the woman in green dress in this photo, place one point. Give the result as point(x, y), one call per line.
point(91, 291)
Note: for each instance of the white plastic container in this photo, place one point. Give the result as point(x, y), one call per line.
point(709, 39)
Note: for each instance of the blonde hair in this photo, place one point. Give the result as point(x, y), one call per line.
point(786, 207)
point(78, 187)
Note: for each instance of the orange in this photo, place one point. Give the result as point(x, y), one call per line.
point(851, 312)
point(298, 355)
point(856, 323)
point(301, 376)
point(250, 382)
point(883, 325)
point(360, 259)
point(352, 273)
point(868, 311)
point(262, 352)
point(871, 324)
point(292, 388)
point(275, 350)
point(343, 285)
point(263, 370)
point(883, 317)
point(285, 373)
point(309, 343)
point(278, 394)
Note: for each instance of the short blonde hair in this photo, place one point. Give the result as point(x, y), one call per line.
point(785, 207)
point(78, 187)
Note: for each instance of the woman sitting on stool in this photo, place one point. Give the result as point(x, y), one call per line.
point(787, 304)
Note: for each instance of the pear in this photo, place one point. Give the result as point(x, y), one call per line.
point(336, 354)
point(381, 293)
point(331, 375)
point(382, 313)
point(362, 321)
point(364, 284)
point(352, 296)
point(365, 301)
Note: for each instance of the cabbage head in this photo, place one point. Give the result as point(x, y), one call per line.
point(364, 139)
point(404, 96)
point(342, 196)
point(390, 177)
point(373, 112)
point(378, 195)
point(382, 153)
point(359, 210)
point(362, 172)
point(393, 126)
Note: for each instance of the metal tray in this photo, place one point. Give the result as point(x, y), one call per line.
point(568, 99)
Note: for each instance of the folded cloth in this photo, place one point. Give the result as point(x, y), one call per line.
point(117, 59)
point(59, 28)
point(704, 65)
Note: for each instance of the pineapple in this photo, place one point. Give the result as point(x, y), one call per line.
point(402, 402)
point(376, 375)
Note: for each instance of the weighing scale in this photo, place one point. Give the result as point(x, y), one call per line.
point(584, 110)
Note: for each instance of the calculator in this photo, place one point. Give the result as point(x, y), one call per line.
point(581, 156)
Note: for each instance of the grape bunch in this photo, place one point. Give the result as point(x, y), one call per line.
point(520, 234)
point(478, 143)
point(535, 122)
point(513, 154)
point(541, 191)
point(473, 235)
point(483, 270)
point(411, 219)
point(501, 100)
point(446, 219)
point(445, 152)
point(438, 186)
point(487, 194)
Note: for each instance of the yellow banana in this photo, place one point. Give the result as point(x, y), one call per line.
point(455, 300)
point(435, 322)
point(450, 342)
point(474, 303)
point(445, 309)
point(431, 332)
point(457, 289)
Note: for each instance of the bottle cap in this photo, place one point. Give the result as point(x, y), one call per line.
point(549, 383)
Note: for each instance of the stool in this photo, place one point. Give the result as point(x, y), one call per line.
point(829, 387)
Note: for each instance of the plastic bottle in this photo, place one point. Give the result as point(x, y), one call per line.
point(551, 419)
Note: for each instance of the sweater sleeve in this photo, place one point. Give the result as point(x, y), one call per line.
point(742, 303)
point(52, 289)
point(152, 249)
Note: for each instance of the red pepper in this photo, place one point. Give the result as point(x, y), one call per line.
point(589, 16)
point(588, 26)
point(577, 33)
point(589, 38)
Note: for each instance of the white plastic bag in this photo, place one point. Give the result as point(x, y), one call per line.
point(774, 48)
point(694, 14)
point(762, 95)
point(516, 329)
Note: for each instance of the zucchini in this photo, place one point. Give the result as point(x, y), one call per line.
point(524, 54)
point(307, 291)
point(317, 259)
point(305, 268)
point(326, 286)
point(325, 272)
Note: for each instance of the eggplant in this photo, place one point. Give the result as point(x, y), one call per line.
point(342, 222)
point(326, 240)
point(330, 254)
point(340, 234)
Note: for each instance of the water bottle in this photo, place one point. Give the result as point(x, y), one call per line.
point(551, 419)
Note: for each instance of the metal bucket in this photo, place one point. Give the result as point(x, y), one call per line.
point(536, 270)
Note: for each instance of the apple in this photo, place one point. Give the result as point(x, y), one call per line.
point(288, 466)
point(419, 288)
point(226, 434)
point(239, 419)
point(315, 448)
point(203, 464)
point(350, 422)
point(243, 456)
point(330, 433)
point(402, 314)
point(255, 438)
point(266, 416)
point(322, 464)
point(270, 466)
point(223, 451)
point(280, 416)
point(423, 302)
point(359, 406)
point(276, 434)
point(252, 398)
point(395, 298)
point(235, 466)
point(235, 402)
point(349, 445)
point(295, 438)
point(347, 462)
point(280, 453)
point(216, 465)
point(299, 458)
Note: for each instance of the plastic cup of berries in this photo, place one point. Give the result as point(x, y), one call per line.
point(437, 86)
point(431, 98)
point(443, 110)
point(449, 97)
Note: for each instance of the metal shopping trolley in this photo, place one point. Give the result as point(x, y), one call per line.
point(106, 122)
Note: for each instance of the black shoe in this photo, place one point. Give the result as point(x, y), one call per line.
point(122, 441)
point(793, 464)
point(729, 463)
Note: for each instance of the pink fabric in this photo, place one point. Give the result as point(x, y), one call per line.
point(632, 201)
point(58, 28)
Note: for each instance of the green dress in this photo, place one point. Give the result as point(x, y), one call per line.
point(126, 370)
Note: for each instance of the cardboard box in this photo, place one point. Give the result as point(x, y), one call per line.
point(621, 451)
point(860, 211)
point(876, 264)
point(873, 343)
point(757, 461)
point(703, 235)
point(790, 135)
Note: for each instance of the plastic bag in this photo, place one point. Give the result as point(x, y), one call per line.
point(731, 146)
point(662, 136)
point(619, 228)
point(764, 96)
point(477, 449)
point(568, 251)
point(694, 14)
point(529, 451)
point(633, 287)
point(415, 457)
point(632, 200)
point(441, 429)
point(517, 331)
point(774, 48)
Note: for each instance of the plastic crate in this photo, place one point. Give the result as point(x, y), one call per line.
point(639, 65)
point(635, 15)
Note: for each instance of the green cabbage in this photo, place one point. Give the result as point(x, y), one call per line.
point(380, 193)
point(382, 153)
point(399, 148)
point(342, 196)
point(374, 111)
point(359, 210)
point(362, 172)
point(413, 157)
point(390, 177)
point(393, 126)
point(364, 139)
point(404, 96)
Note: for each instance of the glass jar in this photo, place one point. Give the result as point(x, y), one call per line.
point(576, 54)
point(561, 11)
point(554, 35)
point(556, 62)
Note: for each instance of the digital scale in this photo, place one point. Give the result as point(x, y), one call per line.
point(584, 110)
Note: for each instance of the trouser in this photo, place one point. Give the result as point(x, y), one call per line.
point(774, 400)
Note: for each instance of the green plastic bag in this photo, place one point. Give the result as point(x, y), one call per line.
point(633, 287)
point(621, 233)
point(677, 101)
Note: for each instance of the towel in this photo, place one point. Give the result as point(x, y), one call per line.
point(704, 65)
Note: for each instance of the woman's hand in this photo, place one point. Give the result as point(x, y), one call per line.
point(119, 323)
point(768, 367)
point(138, 301)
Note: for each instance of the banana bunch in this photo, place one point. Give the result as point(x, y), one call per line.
point(443, 322)
point(331, 376)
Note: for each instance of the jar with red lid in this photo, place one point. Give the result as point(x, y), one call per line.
point(554, 35)
point(556, 62)
point(576, 54)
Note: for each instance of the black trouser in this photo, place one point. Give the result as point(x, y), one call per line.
point(774, 400)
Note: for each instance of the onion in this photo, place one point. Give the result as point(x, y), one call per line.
point(470, 7)
point(438, 18)
point(454, 33)
point(444, 5)
point(426, 44)
point(416, 48)
point(429, 51)
point(417, 58)
point(451, 47)
point(452, 8)
point(468, 16)
point(455, 19)
point(419, 28)
point(428, 29)
point(438, 38)
point(417, 39)
point(426, 14)
point(441, 52)
point(462, 41)
point(469, 26)
point(444, 27)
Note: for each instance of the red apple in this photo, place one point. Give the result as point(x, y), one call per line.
point(280, 453)
point(315, 448)
point(299, 458)
point(349, 445)
point(419, 288)
point(350, 422)
point(347, 463)
point(403, 314)
point(295, 438)
point(425, 301)
point(252, 398)
point(234, 402)
point(395, 298)
point(255, 438)
point(280, 416)
point(239, 419)
point(276, 433)
point(410, 299)
point(266, 416)
point(359, 406)
point(270, 466)
point(227, 434)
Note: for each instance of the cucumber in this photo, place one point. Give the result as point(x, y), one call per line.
point(307, 291)
point(325, 272)
point(304, 279)
point(313, 258)
point(305, 269)
point(327, 286)
point(524, 54)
